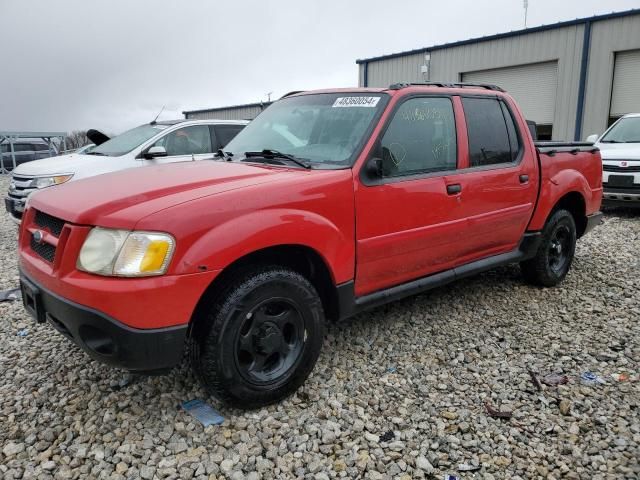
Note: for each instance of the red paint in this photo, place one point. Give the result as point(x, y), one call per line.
point(378, 235)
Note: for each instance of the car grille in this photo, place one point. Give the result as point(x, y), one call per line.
point(616, 168)
point(45, 250)
point(19, 190)
point(53, 224)
point(44, 221)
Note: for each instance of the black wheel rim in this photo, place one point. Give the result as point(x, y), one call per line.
point(559, 249)
point(270, 341)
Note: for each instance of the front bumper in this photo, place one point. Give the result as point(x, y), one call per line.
point(15, 208)
point(102, 337)
point(621, 196)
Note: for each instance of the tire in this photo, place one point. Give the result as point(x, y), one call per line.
point(554, 256)
point(257, 341)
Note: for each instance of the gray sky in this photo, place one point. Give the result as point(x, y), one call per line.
point(111, 64)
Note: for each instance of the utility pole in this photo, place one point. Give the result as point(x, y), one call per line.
point(526, 8)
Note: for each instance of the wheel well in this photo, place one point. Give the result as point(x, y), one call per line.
point(575, 204)
point(298, 258)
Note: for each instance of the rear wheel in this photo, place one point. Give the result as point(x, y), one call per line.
point(555, 253)
point(257, 342)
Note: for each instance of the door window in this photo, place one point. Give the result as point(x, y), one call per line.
point(489, 138)
point(421, 138)
point(225, 133)
point(192, 140)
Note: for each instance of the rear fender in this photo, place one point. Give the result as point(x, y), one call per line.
point(232, 240)
point(556, 187)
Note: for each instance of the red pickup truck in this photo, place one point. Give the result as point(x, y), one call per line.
point(328, 203)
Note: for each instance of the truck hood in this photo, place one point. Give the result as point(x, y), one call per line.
point(619, 151)
point(120, 199)
point(64, 164)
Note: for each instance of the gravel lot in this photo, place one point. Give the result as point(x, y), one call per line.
point(416, 373)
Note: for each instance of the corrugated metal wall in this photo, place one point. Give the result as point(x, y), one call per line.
point(239, 113)
point(607, 38)
point(563, 45)
point(393, 70)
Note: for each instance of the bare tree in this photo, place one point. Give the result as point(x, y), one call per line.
point(77, 139)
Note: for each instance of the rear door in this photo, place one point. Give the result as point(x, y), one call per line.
point(404, 224)
point(185, 144)
point(498, 181)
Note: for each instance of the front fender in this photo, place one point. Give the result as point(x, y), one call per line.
point(240, 236)
point(557, 186)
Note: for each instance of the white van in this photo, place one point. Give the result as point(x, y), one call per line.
point(149, 144)
point(620, 150)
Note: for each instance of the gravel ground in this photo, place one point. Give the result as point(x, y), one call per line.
point(399, 392)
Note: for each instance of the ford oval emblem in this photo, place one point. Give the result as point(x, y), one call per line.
point(38, 236)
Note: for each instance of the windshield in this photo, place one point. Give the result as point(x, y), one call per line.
point(127, 141)
point(627, 130)
point(323, 128)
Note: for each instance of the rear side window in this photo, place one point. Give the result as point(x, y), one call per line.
point(225, 133)
point(492, 136)
point(421, 138)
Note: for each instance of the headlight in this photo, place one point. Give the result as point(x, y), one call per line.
point(127, 254)
point(43, 182)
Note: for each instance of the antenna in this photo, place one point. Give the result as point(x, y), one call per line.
point(161, 110)
point(525, 4)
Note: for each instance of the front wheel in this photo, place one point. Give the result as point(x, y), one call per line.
point(555, 253)
point(257, 342)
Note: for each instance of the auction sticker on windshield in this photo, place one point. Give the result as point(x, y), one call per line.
point(356, 102)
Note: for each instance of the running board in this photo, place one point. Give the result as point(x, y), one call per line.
point(351, 305)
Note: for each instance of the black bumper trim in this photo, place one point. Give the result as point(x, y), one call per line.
point(108, 340)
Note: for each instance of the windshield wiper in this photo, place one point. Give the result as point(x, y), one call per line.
point(275, 154)
point(96, 153)
point(610, 141)
point(224, 155)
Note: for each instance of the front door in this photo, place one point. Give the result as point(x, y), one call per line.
point(404, 228)
point(185, 144)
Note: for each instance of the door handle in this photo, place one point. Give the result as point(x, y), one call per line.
point(454, 188)
point(524, 178)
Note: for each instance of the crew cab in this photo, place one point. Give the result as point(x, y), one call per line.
point(620, 150)
point(330, 202)
point(149, 144)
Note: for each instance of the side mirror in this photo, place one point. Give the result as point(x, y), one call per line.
point(373, 168)
point(154, 152)
point(592, 138)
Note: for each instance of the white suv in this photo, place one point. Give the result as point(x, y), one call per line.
point(620, 150)
point(149, 144)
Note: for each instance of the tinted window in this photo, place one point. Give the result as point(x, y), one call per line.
point(421, 138)
point(225, 133)
point(514, 140)
point(40, 147)
point(487, 130)
point(187, 141)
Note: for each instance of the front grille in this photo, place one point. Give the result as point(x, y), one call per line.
point(53, 224)
point(45, 250)
point(616, 168)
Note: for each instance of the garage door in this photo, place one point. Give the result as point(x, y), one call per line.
point(533, 87)
point(625, 97)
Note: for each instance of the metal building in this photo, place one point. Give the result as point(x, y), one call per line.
point(247, 111)
point(573, 78)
